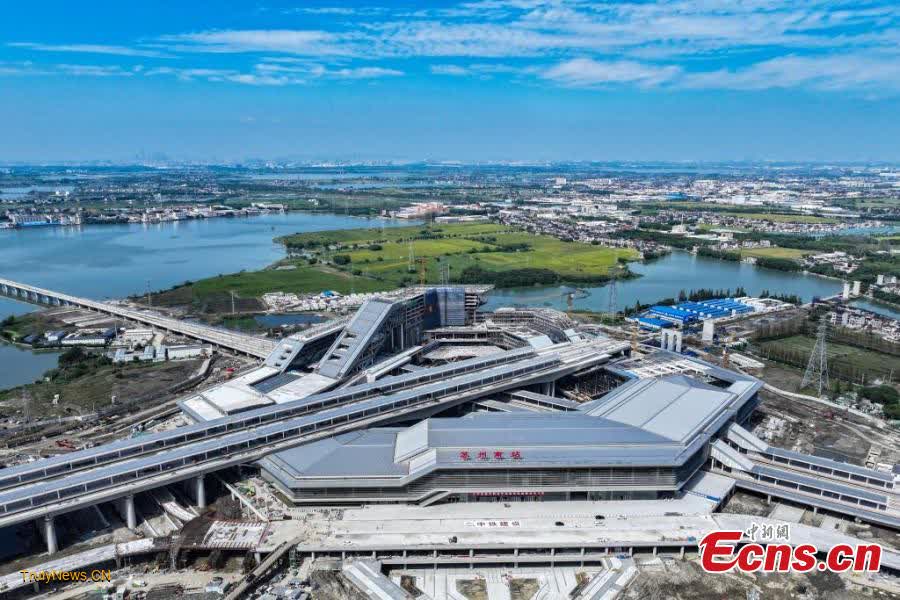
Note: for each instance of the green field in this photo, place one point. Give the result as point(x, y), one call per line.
point(791, 253)
point(380, 260)
point(841, 355)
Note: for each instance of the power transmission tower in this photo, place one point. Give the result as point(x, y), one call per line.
point(817, 369)
point(26, 405)
point(412, 259)
point(613, 299)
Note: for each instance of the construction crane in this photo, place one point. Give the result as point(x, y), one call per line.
point(423, 269)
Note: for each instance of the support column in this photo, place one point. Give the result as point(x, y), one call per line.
point(50, 535)
point(130, 514)
point(200, 492)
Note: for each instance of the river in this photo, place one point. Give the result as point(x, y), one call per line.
point(664, 277)
point(114, 261)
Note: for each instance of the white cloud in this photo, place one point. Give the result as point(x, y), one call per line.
point(363, 73)
point(93, 70)
point(455, 70)
point(327, 10)
point(29, 68)
point(826, 73)
point(91, 49)
point(302, 42)
point(586, 72)
point(816, 44)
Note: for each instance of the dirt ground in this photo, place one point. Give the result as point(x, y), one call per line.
point(677, 580)
point(95, 388)
point(408, 583)
point(744, 504)
point(523, 589)
point(473, 589)
point(819, 430)
point(872, 532)
point(331, 585)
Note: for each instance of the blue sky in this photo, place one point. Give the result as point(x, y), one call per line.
point(478, 80)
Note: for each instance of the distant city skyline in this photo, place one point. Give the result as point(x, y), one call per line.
point(485, 80)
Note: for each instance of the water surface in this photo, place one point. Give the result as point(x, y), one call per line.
point(665, 277)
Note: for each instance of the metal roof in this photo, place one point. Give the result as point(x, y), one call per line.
point(871, 516)
point(819, 483)
point(674, 407)
point(260, 435)
point(830, 464)
point(355, 454)
point(535, 430)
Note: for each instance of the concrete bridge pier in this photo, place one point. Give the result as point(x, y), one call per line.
point(50, 535)
point(200, 492)
point(130, 513)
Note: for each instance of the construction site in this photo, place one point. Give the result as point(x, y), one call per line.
point(424, 448)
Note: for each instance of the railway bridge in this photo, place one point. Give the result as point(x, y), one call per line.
point(221, 338)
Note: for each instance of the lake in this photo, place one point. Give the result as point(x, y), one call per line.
point(21, 365)
point(878, 308)
point(114, 261)
point(664, 277)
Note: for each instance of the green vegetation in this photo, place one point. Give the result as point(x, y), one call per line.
point(14, 328)
point(886, 296)
point(369, 260)
point(850, 363)
point(783, 253)
point(241, 323)
point(302, 279)
point(887, 396)
point(484, 248)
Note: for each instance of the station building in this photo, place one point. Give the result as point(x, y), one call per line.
point(645, 439)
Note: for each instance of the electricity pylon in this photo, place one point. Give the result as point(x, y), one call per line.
point(613, 301)
point(817, 369)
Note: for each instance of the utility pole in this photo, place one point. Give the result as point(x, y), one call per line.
point(231, 293)
point(817, 370)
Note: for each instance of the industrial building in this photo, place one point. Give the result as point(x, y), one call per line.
point(689, 313)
